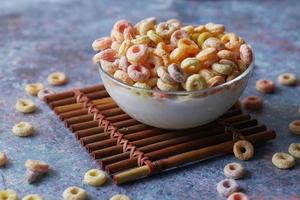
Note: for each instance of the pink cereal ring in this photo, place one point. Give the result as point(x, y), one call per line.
point(107, 54)
point(176, 73)
point(177, 35)
point(137, 54)
point(238, 196)
point(265, 86)
point(129, 33)
point(138, 73)
point(227, 186)
point(119, 28)
point(102, 43)
point(123, 63)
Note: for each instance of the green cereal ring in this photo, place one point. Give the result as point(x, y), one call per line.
point(224, 69)
point(195, 82)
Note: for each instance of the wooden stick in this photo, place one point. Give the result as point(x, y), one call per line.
point(188, 157)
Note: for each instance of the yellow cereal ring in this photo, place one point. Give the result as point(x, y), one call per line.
point(8, 195)
point(294, 150)
point(74, 193)
point(200, 29)
point(215, 29)
point(34, 88)
point(283, 160)
point(145, 25)
point(194, 37)
point(33, 197)
point(166, 86)
point(95, 177)
point(188, 45)
point(143, 39)
point(57, 78)
point(177, 55)
point(202, 37)
point(123, 48)
point(224, 69)
point(191, 65)
point(229, 37)
point(120, 197)
point(189, 29)
point(25, 106)
point(207, 54)
point(123, 76)
point(23, 129)
point(154, 37)
point(195, 82)
point(206, 73)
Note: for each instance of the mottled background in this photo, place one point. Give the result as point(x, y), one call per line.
point(38, 37)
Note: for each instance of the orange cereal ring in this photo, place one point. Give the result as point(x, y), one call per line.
point(252, 102)
point(138, 73)
point(118, 29)
point(137, 54)
point(243, 150)
point(176, 73)
point(177, 35)
point(107, 54)
point(246, 54)
point(191, 65)
point(188, 45)
point(207, 54)
point(177, 55)
point(165, 30)
point(102, 43)
point(123, 76)
point(213, 42)
point(265, 86)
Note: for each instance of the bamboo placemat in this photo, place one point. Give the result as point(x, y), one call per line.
point(129, 150)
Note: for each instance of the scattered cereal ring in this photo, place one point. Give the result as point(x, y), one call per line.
point(138, 73)
point(252, 102)
point(74, 193)
point(177, 35)
point(226, 54)
point(227, 186)
point(25, 106)
point(216, 80)
point(107, 54)
point(294, 127)
point(294, 150)
point(288, 79)
point(234, 170)
point(33, 197)
point(195, 82)
point(283, 160)
point(246, 54)
point(238, 196)
point(177, 55)
point(43, 93)
point(166, 86)
point(123, 76)
point(57, 78)
point(95, 177)
point(108, 66)
point(137, 54)
point(191, 65)
point(176, 73)
point(175, 23)
point(120, 197)
point(37, 165)
point(102, 43)
point(165, 29)
point(154, 37)
point(33, 88)
point(215, 29)
point(145, 25)
point(8, 195)
point(164, 75)
point(243, 150)
point(265, 86)
point(3, 159)
point(207, 54)
point(23, 129)
point(188, 45)
point(224, 69)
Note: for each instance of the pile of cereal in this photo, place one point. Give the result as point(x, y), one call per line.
point(170, 57)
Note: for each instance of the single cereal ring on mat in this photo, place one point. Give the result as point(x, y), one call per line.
point(95, 177)
point(25, 106)
point(57, 78)
point(177, 35)
point(138, 73)
point(33, 197)
point(43, 93)
point(213, 42)
point(165, 30)
point(234, 170)
point(163, 74)
point(143, 26)
point(207, 54)
point(107, 54)
point(154, 37)
point(294, 127)
point(120, 197)
point(288, 79)
point(23, 129)
point(137, 54)
point(223, 69)
point(166, 86)
point(243, 150)
point(8, 194)
point(34, 88)
point(252, 102)
point(265, 86)
point(37, 166)
point(188, 45)
point(191, 65)
point(3, 159)
point(74, 193)
point(283, 160)
point(215, 29)
point(294, 150)
point(246, 54)
point(123, 77)
point(216, 80)
point(227, 186)
point(238, 196)
point(102, 43)
point(195, 82)
point(176, 73)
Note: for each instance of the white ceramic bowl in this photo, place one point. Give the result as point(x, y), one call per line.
point(176, 110)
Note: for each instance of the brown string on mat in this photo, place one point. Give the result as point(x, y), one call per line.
point(229, 129)
point(108, 127)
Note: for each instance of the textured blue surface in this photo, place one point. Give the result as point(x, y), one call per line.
point(39, 36)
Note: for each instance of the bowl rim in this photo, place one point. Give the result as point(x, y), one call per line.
point(207, 90)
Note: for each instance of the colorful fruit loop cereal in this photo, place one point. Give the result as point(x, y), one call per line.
point(252, 102)
point(171, 54)
point(8, 195)
point(283, 160)
point(74, 193)
point(238, 196)
point(95, 177)
point(234, 170)
point(227, 186)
